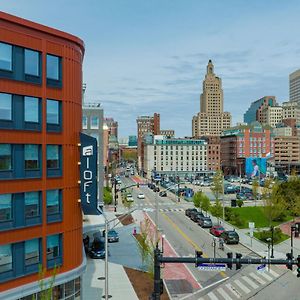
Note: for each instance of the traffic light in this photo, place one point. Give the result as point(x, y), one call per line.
point(161, 287)
point(137, 185)
point(238, 264)
point(289, 263)
point(298, 266)
point(198, 254)
point(229, 264)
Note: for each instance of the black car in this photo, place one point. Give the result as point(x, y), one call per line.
point(205, 222)
point(189, 211)
point(230, 237)
point(98, 248)
point(163, 194)
point(195, 216)
point(112, 236)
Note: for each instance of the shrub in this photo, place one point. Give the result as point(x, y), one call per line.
point(266, 234)
point(240, 203)
point(107, 196)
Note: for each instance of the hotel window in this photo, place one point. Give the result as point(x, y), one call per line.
point(32, 204)
point(5, 107)
point(6, 208)
point(53, 114)
point(5, 258)
point(31, 109)
point(54, 158)
point(53, 67)
point(31, 154)
point(84, 122)
point(54, 248)
point(54, 204)
point(32, 62)
point(32, 252)
point(5, 57)
point(5, 157)
point(94, 123)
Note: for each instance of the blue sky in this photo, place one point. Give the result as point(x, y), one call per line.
point(150, 56)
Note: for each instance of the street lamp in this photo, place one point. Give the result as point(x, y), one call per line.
point(269, 243)
point(293, 229)
point(272, 241)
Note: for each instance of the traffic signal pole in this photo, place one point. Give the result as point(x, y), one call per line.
point(229, 261)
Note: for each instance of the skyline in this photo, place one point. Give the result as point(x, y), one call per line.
point(154, 55)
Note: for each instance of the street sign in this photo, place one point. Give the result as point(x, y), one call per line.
point(251, 225)
point(261, 268)
point(212, 267)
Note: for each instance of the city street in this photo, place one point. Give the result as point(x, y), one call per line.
point(185, 236)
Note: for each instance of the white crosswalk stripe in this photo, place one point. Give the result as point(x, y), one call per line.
point(212, 296)
point(250, 282)
point(224, 294)
point(233, 290)
point(273, 273)
point(266, 276)
point(242, 286)
point(258, 279)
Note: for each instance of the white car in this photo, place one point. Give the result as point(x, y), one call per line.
point(129, 198)
point(141, 196)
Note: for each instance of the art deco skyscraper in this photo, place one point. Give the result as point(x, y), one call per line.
point(211, 119)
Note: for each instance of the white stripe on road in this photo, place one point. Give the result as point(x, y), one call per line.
point(258, 279)
point(242, 286)
point(233, 290)
point(250, 282)
point(224, 294)
point(273, 273)
point(212, 296)
point(266, 276)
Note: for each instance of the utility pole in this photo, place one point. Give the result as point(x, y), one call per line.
point(115, 194)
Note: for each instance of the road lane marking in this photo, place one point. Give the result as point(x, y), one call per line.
point(250, 282)
point(242, 286)
point(224, 294)
point(272, 272)
point(212, 296)
point(258, 279)
point(266, 276)
point(188, 239)
point(233, 290)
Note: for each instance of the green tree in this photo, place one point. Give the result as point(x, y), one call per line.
point(205, 203)
point(217, 186)
point(274, 203)
point(107, 195)
point(197, 199)
point(217, 210)
point(46, 288)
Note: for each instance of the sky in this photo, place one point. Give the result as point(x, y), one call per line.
point(150, 56)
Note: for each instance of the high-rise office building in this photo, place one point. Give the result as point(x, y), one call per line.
point(211, 120)
point(40, 125)
point(295, 86)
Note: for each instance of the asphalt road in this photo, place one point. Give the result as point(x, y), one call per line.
point(185, 236)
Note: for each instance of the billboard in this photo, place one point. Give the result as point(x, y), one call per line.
point(88, 175)
point(256, 167)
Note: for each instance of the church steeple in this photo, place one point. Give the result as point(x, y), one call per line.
point(210, 67)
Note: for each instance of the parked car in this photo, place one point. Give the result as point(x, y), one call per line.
point(229, 189)
point(129, 198)
point(249, 196)
point(156, 189)
point(205, 222)
point(163, 194)
point(112, 236)
point(217, 230)
point(141, 196)
point(246, 189)
point(205, 183)
point(97, 249)
point(189, 211)
point(195, 216)
point(241, 196)
point(230, 237)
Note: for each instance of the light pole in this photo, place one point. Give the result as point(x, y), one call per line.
point(272, 241)
point(269, 242)
point(293, 229)
point(223, 197)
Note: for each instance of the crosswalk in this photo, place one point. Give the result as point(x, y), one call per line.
point(242, 286)
point(163, 207)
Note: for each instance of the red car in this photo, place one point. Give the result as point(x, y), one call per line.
point(217, 230)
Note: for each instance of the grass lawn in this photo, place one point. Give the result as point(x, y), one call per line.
point(282, 237)
point(255, 214)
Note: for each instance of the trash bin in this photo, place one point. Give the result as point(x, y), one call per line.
point(233, 203)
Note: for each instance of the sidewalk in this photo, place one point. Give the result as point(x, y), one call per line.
point(93, 285)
